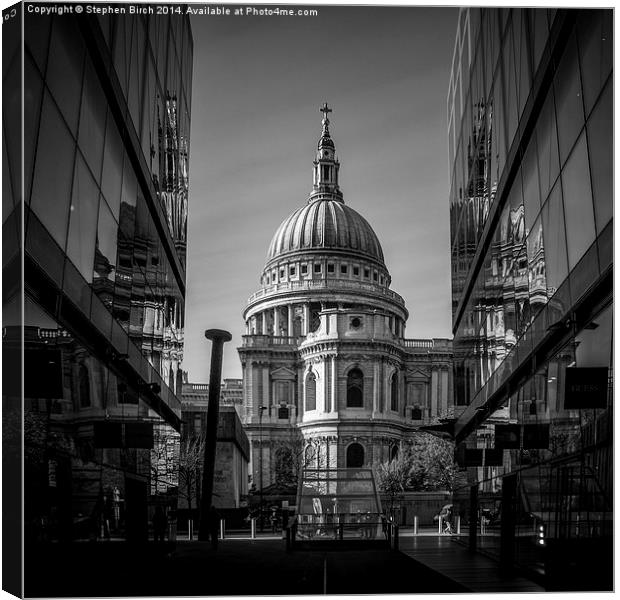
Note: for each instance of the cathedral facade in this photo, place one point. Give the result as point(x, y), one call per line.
point(329, 378)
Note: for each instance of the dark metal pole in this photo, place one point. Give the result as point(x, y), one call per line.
point(260, 463)
point(218, 337)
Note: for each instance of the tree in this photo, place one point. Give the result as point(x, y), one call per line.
point(190, 467)
point(433, 466)
point(393, 478)
point(425, 463)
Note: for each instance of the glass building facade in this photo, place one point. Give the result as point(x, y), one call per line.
point(103, 218)
point(530, 121)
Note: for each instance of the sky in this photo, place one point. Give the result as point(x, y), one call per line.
point(258, 83)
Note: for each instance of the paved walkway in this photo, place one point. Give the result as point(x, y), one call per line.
point(476, 572)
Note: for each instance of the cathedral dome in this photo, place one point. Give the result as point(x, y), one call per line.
point(326, 224)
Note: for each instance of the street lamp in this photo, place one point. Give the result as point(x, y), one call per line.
point(260, 461)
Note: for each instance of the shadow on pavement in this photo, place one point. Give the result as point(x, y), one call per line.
point(239, 567)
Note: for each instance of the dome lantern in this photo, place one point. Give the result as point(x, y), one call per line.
point(326, 166)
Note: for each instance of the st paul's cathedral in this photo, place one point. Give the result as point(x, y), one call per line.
point(329, 378)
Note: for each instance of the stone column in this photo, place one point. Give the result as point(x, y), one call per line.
point(291, 311)
point(266, 400)
point(326, 386)
point(375, 389)
point(434, 390)
point(444, 390)
point(256, 399)
point(264, 322)
point(306, 324)
point(276, 321)
point(334, 382)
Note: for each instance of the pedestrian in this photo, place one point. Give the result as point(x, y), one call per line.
point(273, 520)
point(447, 522)
point(214, 522)
point(159, 524)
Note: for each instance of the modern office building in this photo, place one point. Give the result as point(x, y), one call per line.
point(104, 205)
point(329, 378)
point(530, 119)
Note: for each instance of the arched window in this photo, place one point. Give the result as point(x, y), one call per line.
point(355, 456)
point(355, 389)
point(309, 456)
point(394, 390)
point(394, 452)
point(310, 392)
point(84, 384)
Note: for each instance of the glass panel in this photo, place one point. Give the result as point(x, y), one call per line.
point(112, 167)
point(547, 138)
point(531, 191)
point(569, 104)
point(64, 73)
point(51, 190)
point(92, 121)
point(538, 29)
point(536, 266)
point(510, 91)
point(83, 220)
point(554, 241)
point(600, 146)
point(33, 94)
point(595, 34)
point(105, 255)
point(578, 210)
point(37, 36)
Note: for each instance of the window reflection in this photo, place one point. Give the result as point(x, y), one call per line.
point(104, 267)
point(554, 241)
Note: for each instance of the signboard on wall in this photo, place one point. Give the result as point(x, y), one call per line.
point(586, 387)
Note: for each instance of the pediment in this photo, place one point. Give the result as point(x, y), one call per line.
point(283, 373)
point(417, 375)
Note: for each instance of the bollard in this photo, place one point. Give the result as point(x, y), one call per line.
point(190, 530)
point(415, 525)
point(458, 525)
point(253, 528)
point(440, 524)
point(222, 529)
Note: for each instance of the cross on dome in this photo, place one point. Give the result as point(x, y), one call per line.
point(325, 110)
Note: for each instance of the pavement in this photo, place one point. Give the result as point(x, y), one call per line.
point(249, 567)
